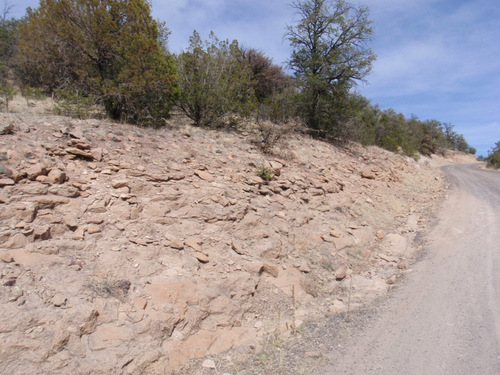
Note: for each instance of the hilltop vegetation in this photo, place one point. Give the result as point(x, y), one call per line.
point(493, 158)
point(113, 55)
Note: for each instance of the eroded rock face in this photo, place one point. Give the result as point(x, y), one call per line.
point(136, 249)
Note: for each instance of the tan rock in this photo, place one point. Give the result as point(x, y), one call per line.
point(4, 198)
point(202, 258)
point(79, 153)
point(6, 257)
point(193, 243)
point(79, 143)
point(341, 273)
point(15, 242)
point(34, 188)
point(36, 170)
point(96, 219)
point(56, 176)
point(42, 233)
point(380, 234)
point(97, 154)
point(204, 175)
point(176, 244)
point(237, 247)
point(92, 229)
point(49, 202)
point(368, 174)
point(6, 129)
point(79, 234)
point(271, 269)
point(119, 183)
point(70, 222)
point(6, 182)
point(335, 233)
point(65, 191)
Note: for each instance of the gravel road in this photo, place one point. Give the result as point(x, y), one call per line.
point(446, 318)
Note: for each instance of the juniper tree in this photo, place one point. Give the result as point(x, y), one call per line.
point(108, 48)
point(213, 81)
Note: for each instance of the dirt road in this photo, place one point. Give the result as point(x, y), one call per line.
point(446, 318)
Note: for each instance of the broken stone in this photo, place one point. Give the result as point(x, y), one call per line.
point(15, 242)
point(238, 249)
point(79, 143)
point(6, 129)
point(6, 182)
point(95, 220)
point(79, 153)
point(49, 202)
point(41, 233)
point(92, 229)
point(56, 176)
point(204, 175)
point(202, 258)
point(380, 234)
point(193, 243)
point(271, 269)
point(70, 222)
point(335, 233)
point(341, 273)
point(176, 244)
point(97, 154)
point(6, 257)
point(369, 175)
point(58, 300)
point(36, 170)
point(119, 183)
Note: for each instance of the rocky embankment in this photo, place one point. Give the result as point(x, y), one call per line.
point(128, 251)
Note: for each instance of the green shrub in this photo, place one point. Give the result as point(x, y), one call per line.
point(71, 103)
point(266, 173)
point(112, 50)
point(214, 83)
point(493, 160)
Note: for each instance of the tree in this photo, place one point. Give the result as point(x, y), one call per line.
point(267, 76)
point(112, 49)
point(329, 57)
point(493, 158)
point(7, 52)
point(213, 81)
point(274, 90)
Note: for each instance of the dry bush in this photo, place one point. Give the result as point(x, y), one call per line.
point(270, 136)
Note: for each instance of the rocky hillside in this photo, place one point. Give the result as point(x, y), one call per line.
point(126, 250)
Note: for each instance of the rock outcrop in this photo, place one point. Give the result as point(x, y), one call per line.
point(127, 251)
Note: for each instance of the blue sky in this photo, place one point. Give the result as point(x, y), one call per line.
point(437, 59)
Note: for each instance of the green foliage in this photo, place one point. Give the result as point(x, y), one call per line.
point(110, 49)
point(266, 173)
point(8, 39)
point(329, 57)
point(493, 158)
point(7, 92)
point(214, 82)
point(71, 103)
point(32, 93)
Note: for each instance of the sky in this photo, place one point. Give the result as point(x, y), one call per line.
point(436, 59)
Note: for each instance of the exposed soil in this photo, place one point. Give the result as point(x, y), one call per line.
point(126, 250)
